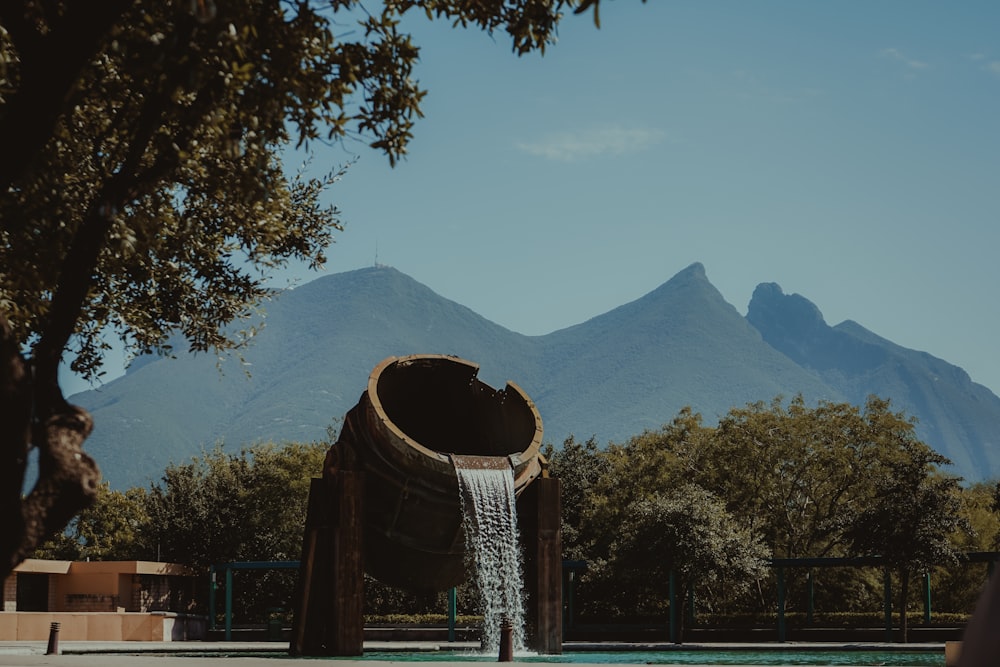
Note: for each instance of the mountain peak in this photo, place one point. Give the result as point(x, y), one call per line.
point(791, 324)
point(695, 271)
point(691, 280)
point(795, 312)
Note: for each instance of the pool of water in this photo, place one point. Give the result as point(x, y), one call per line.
point(819, 657)
point(756, 656)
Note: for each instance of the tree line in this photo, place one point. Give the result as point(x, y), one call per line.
point(711, 505)
point(707, 505)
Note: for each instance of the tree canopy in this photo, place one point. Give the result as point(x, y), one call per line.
point(686, 531)
point(142, 193)
point(638, 513)
point(792, 480)
point(911, 519)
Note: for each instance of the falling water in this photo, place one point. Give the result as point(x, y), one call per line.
point(490, 522)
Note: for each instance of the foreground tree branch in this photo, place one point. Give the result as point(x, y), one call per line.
point(15, 436)
point(68, 478)
point(54, 50)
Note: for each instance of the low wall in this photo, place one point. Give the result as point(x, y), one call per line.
point(102, 626)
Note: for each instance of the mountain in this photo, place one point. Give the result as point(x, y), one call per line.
point(636, 366)
point(630, 369)
point(956, 416)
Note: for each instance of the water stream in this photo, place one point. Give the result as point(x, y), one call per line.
point(490, 521)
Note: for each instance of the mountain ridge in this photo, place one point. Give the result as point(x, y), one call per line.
point(629, 369)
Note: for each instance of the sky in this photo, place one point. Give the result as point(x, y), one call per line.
point(848, 151)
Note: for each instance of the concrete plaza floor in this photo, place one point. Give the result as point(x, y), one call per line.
point(275, 654)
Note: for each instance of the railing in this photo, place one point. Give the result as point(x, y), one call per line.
point(572, 570)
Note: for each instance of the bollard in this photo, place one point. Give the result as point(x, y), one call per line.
point(506, 641)
point(53, 647)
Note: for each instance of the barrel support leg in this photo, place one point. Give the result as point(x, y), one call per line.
point(539, 513)
point(328, 615)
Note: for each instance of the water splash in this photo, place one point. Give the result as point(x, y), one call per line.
point(491, 536)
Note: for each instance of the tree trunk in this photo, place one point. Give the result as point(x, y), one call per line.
point(681, 613)
point(34, 413)
point(904, 585)
point(15, 438)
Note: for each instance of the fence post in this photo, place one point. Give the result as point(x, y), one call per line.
point(452, 612)
point(927, 598)
point(887, 603)
point(781, 604)
point(212, 587)
point(673, 607)
point(811, 601)
point(229, 603)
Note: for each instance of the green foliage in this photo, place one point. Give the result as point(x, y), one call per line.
point(224, 507)
point(220, 507)
point(824, 619)
point(386, 602)
point(790, 480)
point(958, 588)
point(791, 473)
point(578, 467)
point(110, 529)
point(912, 516)
point(428, 619)
point(644, 466)
point(249, 506)
point(687, 531)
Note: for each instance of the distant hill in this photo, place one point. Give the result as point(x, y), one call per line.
point(630, 369)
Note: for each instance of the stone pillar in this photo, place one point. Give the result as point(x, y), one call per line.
point(328, 613)
point(539, 515)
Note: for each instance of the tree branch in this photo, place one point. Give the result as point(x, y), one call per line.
point(68, 478)
point(50, 67)
point(15, 415)
point(81, 261)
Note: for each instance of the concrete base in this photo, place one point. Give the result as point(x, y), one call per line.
point(102, 626)
point(951, 652)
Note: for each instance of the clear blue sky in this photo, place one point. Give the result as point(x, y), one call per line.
point(848, 151)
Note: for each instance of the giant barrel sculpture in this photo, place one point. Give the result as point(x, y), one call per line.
point(416, 413)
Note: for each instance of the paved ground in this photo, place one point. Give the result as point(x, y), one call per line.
point(273, 654)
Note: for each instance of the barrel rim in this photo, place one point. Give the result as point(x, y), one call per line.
point(442, 461)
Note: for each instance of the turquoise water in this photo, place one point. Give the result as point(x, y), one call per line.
point(755, 656)
point(854, 658)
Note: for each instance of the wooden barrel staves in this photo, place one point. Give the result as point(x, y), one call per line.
point(417, 412)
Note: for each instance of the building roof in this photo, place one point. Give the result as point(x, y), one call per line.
point(39, 566)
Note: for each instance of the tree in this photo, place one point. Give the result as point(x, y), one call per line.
point(956, 589)
point(789, 472)
point(911, 517)
point(578, 467)
point(110, 529)
point(687, 532)
point(646, 464)
point(225, 507)
point(142, 193)
point(649, 464)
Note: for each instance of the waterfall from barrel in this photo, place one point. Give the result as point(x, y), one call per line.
point(486, 485)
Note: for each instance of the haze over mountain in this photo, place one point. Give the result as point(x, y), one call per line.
point(630, 369)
